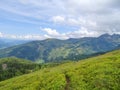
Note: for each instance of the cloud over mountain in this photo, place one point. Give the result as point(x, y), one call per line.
point(69, 18)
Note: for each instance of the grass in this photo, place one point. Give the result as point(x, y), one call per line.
point(97, 73)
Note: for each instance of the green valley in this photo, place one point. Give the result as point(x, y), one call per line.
point(97, 73)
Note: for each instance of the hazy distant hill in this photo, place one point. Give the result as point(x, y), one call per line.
point(97, 73)
point(57, 50)
point(4, 43)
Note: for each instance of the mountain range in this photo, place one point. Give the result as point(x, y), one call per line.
point(52, 50)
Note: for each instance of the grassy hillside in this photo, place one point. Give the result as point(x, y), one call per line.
point(11, 67)
point(52, 50)
point(98, 73)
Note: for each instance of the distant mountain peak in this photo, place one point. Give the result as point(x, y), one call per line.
point(105, 35)
point(108, 35)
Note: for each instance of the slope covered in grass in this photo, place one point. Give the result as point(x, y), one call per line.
point(11, 67)
point(98, 73)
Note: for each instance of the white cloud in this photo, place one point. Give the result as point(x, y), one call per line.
point(72, 22)
point(32, 37)
point(24, 1)
point(58, 19)
point(96, 16)
point(83, 32)
point(52, 33)
point(79, 22)
point(1, 35)
point(47, 36)
point(49, 31)
point(23, 37)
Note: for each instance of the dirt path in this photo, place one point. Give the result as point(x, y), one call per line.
point(67, 82)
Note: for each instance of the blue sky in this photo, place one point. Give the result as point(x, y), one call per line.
point(62, 19)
